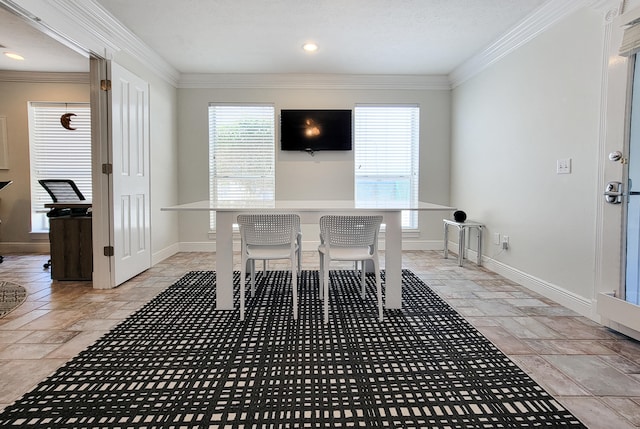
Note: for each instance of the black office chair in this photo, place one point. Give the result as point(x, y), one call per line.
point(2, 186)
point(63, 190)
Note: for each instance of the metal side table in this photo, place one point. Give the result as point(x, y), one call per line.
point(462, 228)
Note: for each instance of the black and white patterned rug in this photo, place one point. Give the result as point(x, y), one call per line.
point(179, 363)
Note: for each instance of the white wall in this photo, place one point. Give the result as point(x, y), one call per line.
point(510, 124)
point(327, 175)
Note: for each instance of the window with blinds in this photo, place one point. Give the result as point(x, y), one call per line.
point(58, 153)
point(241, 153)
point(387, 140)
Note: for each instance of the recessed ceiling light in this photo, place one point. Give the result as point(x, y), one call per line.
point(14, 56)
point(310, 47)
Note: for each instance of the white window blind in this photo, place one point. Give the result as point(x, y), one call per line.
point(241, 153)
point(58, 153)
point(386, 155)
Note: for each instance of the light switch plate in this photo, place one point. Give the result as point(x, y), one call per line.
point(563, 166)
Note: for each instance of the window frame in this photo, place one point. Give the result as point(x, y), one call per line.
point(377, 136)
point(50, 144)
point(265, 180)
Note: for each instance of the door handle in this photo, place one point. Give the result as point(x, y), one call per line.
point(613, 193)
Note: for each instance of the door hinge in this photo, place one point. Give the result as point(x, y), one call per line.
point(105, 85)
point(108, 251)
point(107, 168)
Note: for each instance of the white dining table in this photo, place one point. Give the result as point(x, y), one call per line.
point(227, 213)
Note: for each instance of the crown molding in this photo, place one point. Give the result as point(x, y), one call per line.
point(534, 24)
point(314, 81)
point(42, 77)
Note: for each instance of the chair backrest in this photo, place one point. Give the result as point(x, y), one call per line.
point(350, 231)
point(62, 190)
point(269, 229)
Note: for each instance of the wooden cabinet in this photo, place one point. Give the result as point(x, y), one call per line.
point(71, 248)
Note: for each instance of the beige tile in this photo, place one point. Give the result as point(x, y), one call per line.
point(10, 337)
point(569, 347)
point(549, 377)
point(596, 414)
point(527, 327)
point(572, 327)
point(20, 376)
point(55, 319)
point(621, 363)
point(506, 342)
point(48, 337)
point(628, 349)
point(595, 375)
point(94, 324)
point(627, 407)
point(20, 351)
point(76, 345)
point(19, 322)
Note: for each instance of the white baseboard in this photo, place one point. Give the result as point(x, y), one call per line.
point(193, 246)
point(575, 302)
point(422, 245)
point(311, 245)
point(580, 305)
point(35, 247)
point(164, 253)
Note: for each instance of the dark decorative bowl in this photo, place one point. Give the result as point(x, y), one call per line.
point(459, 216)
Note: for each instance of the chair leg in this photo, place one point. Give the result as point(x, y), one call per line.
point(325, 286)
point(378, 289)
point(253, 277)
point(321, 274)
point(243, 270)
point(294, 285)
point(364, 279)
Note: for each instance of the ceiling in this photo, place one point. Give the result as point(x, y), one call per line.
point(413, 37)
point(40, 52)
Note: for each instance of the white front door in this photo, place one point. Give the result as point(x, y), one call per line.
point(130, 177)
point(632, 167)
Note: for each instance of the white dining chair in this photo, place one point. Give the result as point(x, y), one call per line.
point(299, 256)
point(349, 238)
point(268, 237)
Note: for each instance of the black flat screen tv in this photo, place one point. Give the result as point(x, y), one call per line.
point(315, 130)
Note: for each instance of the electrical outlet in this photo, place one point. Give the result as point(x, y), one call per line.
point(505, 242)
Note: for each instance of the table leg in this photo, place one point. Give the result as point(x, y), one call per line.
point(446, 241)
point(460, 245)
point(393, 259)
point(479, 246)
point(224, 260)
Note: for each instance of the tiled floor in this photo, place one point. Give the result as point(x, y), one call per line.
point(590, 369)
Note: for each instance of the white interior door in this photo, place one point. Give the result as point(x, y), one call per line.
point(131, 181)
